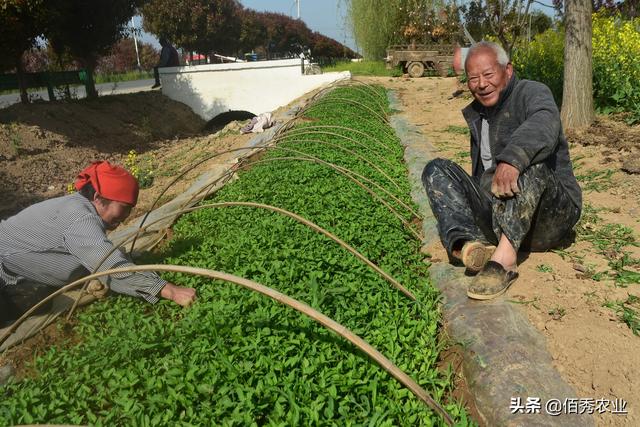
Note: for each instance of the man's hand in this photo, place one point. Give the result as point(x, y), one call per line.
point(178, 294)
point(505, 181)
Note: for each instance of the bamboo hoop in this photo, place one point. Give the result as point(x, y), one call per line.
point(294, 134)
point(299, 306)
point(247, 148)
point(243, 166)
point(377, 98)
point(346, 150)
point(336, 168)
point(365, 107)
point(383, 126)
point(336, 127)
point(395, 283)
point(361, 177)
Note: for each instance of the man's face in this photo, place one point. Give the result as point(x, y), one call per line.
point(486, 78)
point(112, 212)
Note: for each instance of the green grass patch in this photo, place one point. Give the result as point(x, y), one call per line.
point(365, 68)
point(610, 238)
point(544, 268)
point(123, 77)
point(460, 130)
point(557, 313)
point(628, 311)
point(238, 358)
point(610, 241)
point(462, 157)
point(596, 180)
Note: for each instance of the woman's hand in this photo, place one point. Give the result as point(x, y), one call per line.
point(180, 295)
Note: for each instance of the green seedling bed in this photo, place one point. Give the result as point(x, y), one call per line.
point(238, 358)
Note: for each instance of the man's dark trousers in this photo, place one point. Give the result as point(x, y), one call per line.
point(539, 218)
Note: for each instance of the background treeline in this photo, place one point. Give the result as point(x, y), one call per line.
point(616, 62)
point(227, 28)
point(379, 23)
point(39, 35)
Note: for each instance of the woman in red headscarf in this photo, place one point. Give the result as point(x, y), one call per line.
point(112, 189)
point(54, 242)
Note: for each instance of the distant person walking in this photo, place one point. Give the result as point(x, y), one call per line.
point(168, 58)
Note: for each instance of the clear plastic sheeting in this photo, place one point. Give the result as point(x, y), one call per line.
point(506, 362)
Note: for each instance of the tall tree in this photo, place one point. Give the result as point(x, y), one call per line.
point(284, 34)
point(475, 18)
point(275, 33)
point(376, 24)
point(20, 24)
point(539, 22)
point(87, 29)
point(253, 31)
point(202, 26)
point(508, 20)
point(627, 8)
point(577, 93)
point(122, 57)
point(326, 47)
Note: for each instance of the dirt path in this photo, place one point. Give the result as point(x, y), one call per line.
point(572, 296)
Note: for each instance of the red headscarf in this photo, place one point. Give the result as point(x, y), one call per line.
point(110, 181)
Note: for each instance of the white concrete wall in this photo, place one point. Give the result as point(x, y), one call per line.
point(256, 87)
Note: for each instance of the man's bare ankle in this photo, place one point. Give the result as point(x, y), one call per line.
point(507, 262)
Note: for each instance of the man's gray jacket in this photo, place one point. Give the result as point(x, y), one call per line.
point(524, 129)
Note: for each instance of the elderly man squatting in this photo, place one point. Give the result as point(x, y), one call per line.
point(522, 193)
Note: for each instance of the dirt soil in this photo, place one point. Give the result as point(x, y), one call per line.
point(44, 145)
point(572, 296)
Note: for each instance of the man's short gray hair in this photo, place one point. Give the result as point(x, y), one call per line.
point(503, 58)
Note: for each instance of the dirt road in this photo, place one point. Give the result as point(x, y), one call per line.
point(79, 92)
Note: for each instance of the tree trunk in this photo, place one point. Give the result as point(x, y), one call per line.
point(577, 94)
point(91, 84)
point(22, 84)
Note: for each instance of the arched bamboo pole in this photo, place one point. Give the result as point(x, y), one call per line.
point(365, 107)
point(384, 127)
point(199, 162)
point(337, 169)
point(276, 209)
point(301, 307)
point(346, 150)
point(370, 93)
point(248, 148)
point(336, 127)
point(357, 175)
point(287, 136)
point(290, 123)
